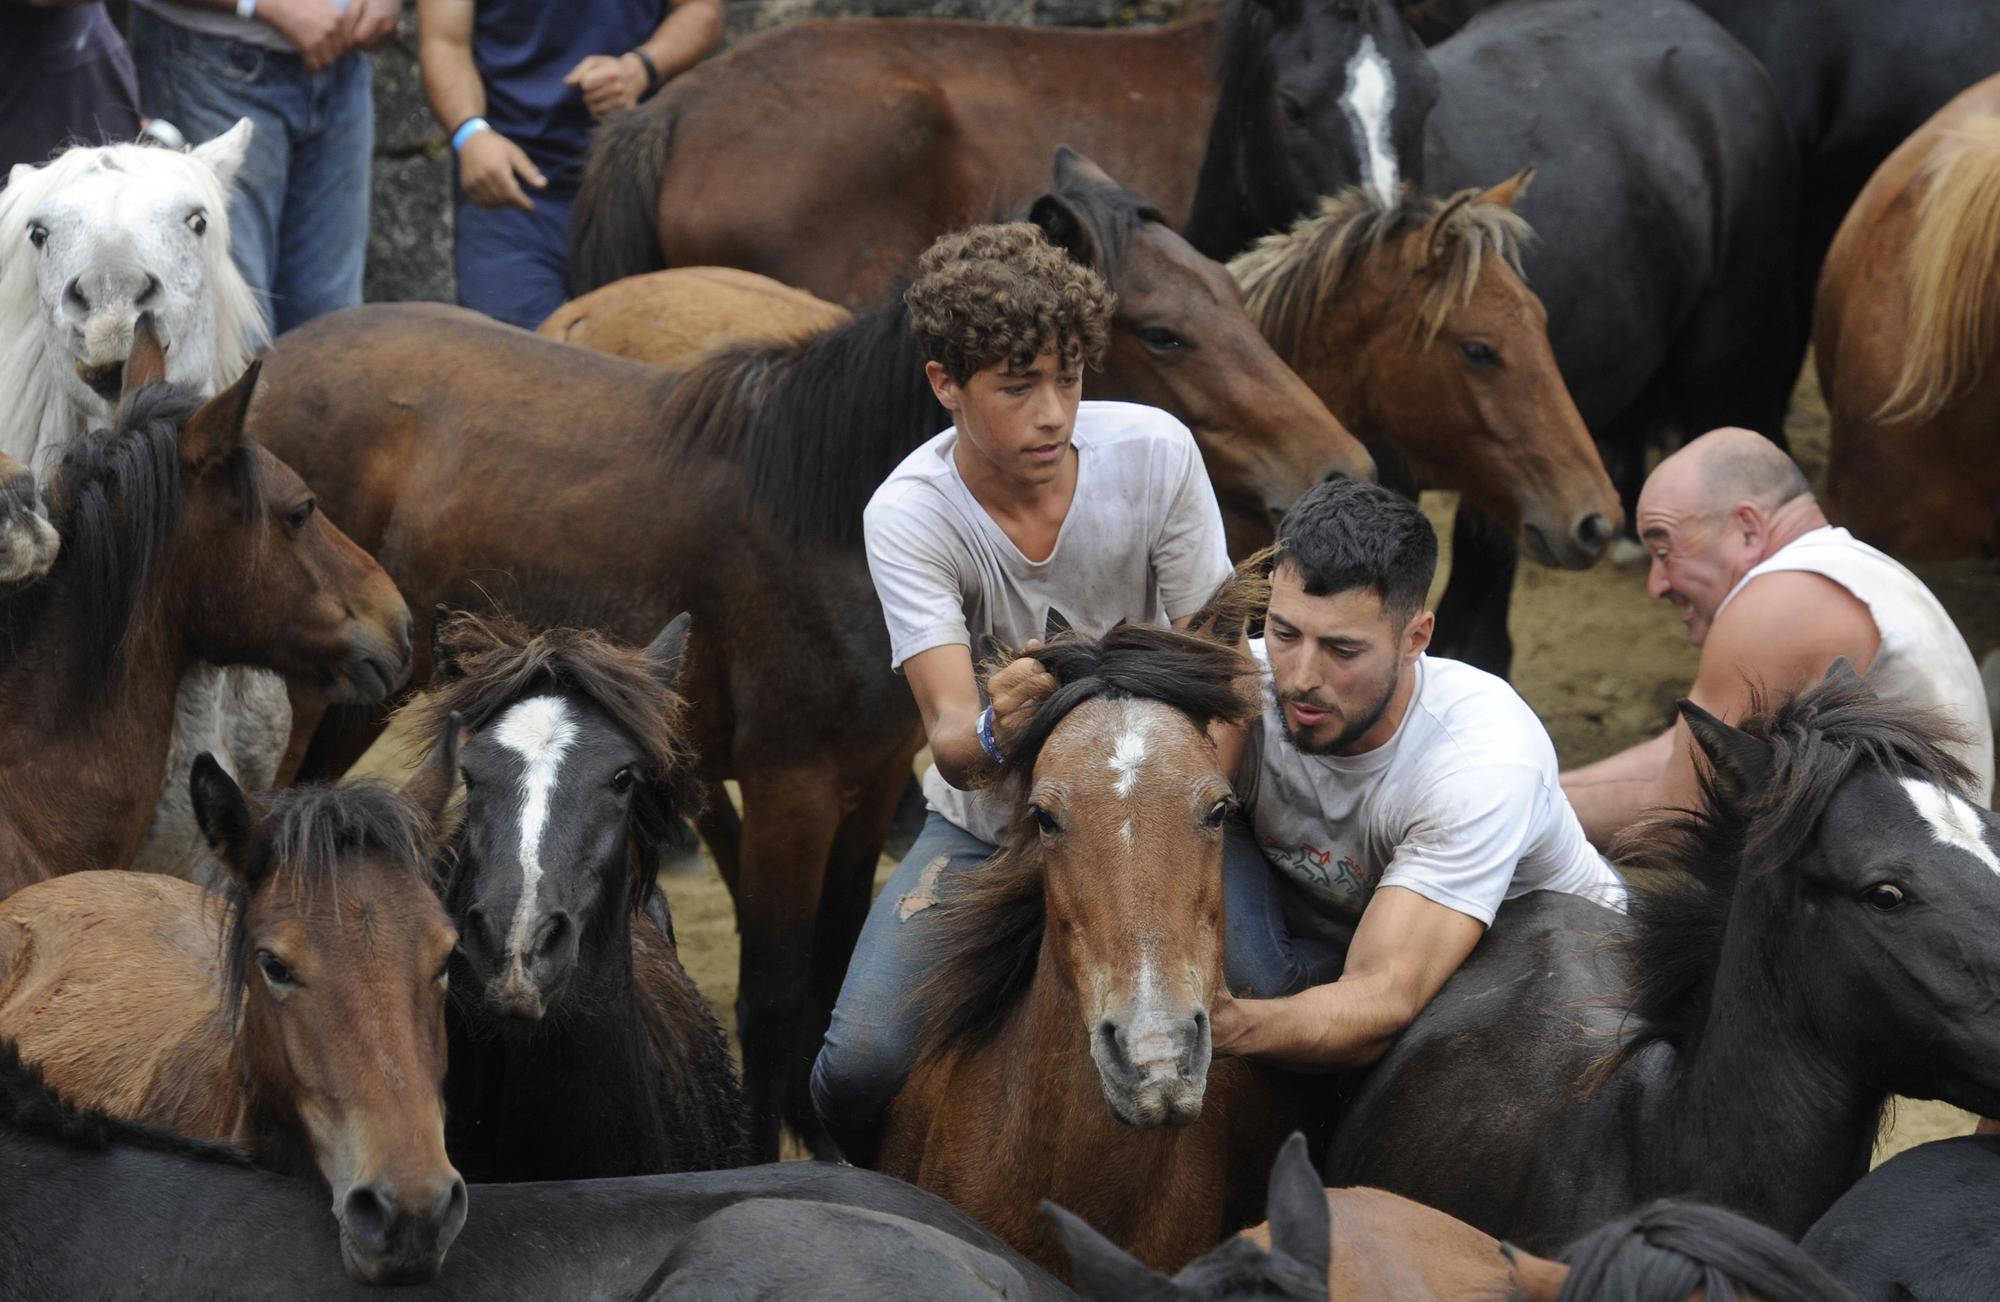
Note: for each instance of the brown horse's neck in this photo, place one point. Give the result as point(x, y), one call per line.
point(85, 759)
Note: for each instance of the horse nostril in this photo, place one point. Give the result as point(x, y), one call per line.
point(365, 1215)
point(152, 288)
point(552, 933)
point(1594, 531)
point(73, 294)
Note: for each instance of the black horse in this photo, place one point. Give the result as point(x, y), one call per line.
point(1316, 96)
point(579, 1045)
point(1918, 1226)
point(95, 1208)
point(1819, 941)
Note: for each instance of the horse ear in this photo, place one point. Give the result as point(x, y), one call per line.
point(225, 154)
point(1104, 1271)
point(1843, 672)
point(1536, 1279)
point(669, 650)
point(430, 787)
point(1301, 1224)
point(1443, 228)
point(1064, 228)
point(216, 430)
point(145, 364)
point(1509, 191)
point(1054, 625)
point(1741, 762)
point(222, 814)
point(18, 175)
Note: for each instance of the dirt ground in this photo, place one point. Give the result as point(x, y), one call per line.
point(1599, 661)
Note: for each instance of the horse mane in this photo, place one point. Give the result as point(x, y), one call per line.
point(989, 923)
point(1669, 1250)
point(29, 1105)
point(115, 501)
point(1817, 739)
point(1953, 276)
point(497, 662)
point(37, 410)
point(1291, 279)
point(312, 834)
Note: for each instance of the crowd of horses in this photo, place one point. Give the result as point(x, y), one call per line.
point(1493, 248)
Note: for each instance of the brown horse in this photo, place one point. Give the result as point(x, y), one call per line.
point(1065, 1052)
point(830, 154)
point(302, 1016)
point(670, 318)
point(1907, 336)
point(1412, 322)
point(182, 540)
point(485, 466)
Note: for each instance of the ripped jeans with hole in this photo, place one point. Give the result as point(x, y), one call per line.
point(872, 1042)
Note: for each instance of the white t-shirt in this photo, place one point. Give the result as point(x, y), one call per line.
point(1142, 544)
point(1463, 805)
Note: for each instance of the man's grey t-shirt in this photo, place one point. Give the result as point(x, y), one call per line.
point(1142, 543)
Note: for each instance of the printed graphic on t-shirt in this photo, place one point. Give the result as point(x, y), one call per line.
point(1335, 874)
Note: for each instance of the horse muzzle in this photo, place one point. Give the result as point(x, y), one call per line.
point(1579, 548)
point(395, 1235)
point(372, 669)
point(1153, 1065)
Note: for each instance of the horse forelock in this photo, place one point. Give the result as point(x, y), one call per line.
point(39, 408)
point(312, 842)
point(1289, 279)
point(1816, 739)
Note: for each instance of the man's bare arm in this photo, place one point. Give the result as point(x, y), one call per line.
point(612, 83)
point(1405, 948)
point(947, 691)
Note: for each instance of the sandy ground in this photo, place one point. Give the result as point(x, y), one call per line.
point(1599, 661)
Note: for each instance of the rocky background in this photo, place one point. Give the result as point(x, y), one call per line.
point(409, 247)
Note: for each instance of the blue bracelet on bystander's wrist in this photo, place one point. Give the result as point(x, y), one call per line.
point(466, 130)
point(986, 742)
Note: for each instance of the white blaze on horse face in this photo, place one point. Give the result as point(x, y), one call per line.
point(540, 731)
point(1952, 821)
point(1127, 756)
point(1371, 95)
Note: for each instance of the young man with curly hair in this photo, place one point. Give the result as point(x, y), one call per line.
point(1033, 506)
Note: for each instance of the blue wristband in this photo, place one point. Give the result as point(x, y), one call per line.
point(246, 9)
point(466, 131)
point(986, 742)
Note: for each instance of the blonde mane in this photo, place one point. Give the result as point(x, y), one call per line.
point(1953, 323)
point(37, 410)
point(1291, 279)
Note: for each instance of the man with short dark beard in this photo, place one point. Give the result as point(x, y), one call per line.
point(1392, 792)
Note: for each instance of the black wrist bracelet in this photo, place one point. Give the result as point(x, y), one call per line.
point(652, 71)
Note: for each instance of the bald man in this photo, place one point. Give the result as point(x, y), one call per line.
point(1772, 595)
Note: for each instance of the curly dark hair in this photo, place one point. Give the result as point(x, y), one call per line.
point(1003, 293)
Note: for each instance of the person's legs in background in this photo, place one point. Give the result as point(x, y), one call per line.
point(323, 239)
point(513, 265)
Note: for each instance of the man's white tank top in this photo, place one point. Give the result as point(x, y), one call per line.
point(1924, 659)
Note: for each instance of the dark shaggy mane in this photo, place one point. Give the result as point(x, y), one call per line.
point(310, 836)
point(989, 923)
point(1671, 1250)
point(30, 1105)
point(496, 661)
point(115, 500)
point(1817, 739)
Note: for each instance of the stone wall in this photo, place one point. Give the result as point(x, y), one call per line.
point(409, 246)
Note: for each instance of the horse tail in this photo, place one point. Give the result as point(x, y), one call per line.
point(615, 226)
point(1953, 276)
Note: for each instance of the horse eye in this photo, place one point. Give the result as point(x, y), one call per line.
point(621, 781)
point(444, 973)
point(1478, 354)
point(1160, 337)
point(1045, 820)
point(301, 513)
point(274, 969)
point(198, 222)
point(1294, 111)
point(1219, 815)
point(38, 234)
point(1882, 897)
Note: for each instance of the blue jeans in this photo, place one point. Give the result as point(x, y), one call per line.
point(299, 216)
point(513, 265)
point(871, 1043)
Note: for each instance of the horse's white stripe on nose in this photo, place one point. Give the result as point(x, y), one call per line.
point(1952, 821)
point(539, 730)
point(1127, 756)
point(1371, 94)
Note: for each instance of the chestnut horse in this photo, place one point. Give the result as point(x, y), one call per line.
point(828, 155)
point(1412, 322)
point(1906, 333)
point(1065, 1048)
point(182, 540)
point(487, 467)
point(302, 1016)
point(567, 984)
point(670, 318)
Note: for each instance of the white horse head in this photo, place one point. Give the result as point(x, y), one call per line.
point(87, 242)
